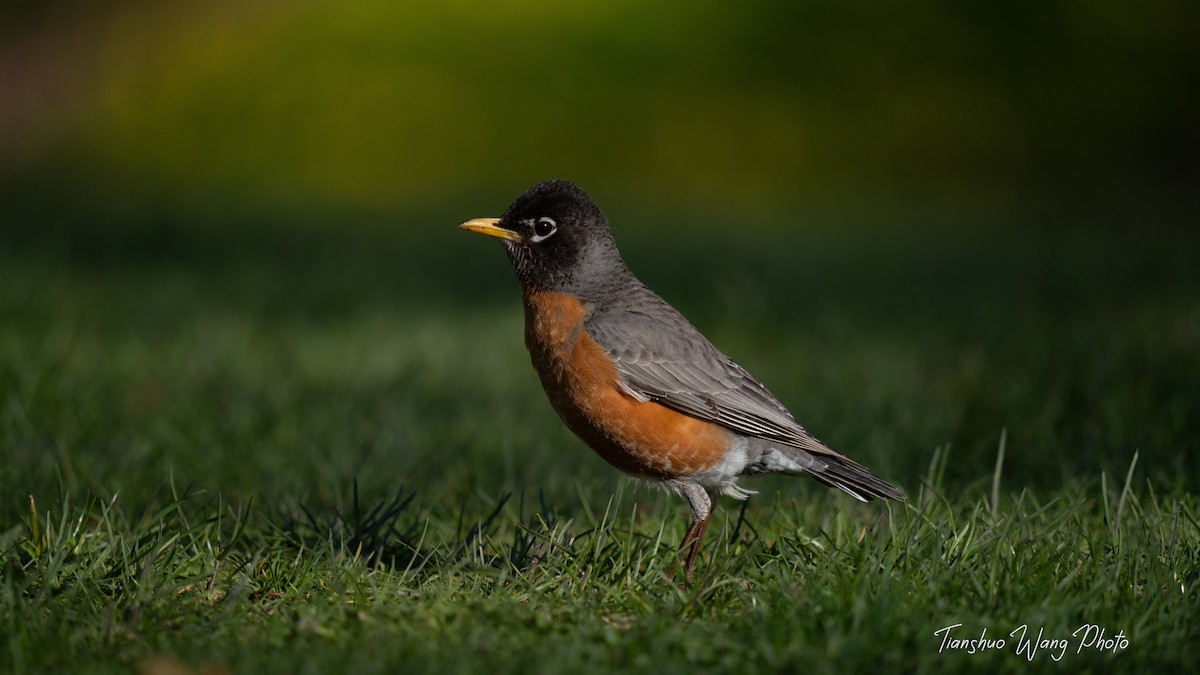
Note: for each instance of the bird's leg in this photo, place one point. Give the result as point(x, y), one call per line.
point(694, 536)
point(701, 503)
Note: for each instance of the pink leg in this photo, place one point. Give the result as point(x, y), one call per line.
point(693, 538)
point(701, 503)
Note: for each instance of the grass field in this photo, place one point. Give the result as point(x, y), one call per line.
point(248, 449)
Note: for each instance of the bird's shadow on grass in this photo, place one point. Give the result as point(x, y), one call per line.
point(386, 531)
point(510, 536)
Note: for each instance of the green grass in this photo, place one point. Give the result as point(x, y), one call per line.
point(277, 450)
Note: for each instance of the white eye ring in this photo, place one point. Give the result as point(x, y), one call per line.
point(543, 229)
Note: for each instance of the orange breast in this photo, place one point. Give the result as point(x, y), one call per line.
point(637, 437)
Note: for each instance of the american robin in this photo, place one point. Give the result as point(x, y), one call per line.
point(638, 383)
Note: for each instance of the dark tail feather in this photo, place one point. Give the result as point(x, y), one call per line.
point(854, 479)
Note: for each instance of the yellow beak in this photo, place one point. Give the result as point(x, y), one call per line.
point(490, 227)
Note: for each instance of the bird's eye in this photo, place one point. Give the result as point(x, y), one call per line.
point(542, 229)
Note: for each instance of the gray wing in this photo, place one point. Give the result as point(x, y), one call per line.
point(661, 357)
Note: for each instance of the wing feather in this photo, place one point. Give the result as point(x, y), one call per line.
point(690, 375)
point(661, 357)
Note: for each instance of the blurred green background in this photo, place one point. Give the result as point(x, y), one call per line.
point(400, 107)
point(921, 223)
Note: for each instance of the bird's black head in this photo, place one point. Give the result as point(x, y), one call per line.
point(556, 236)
